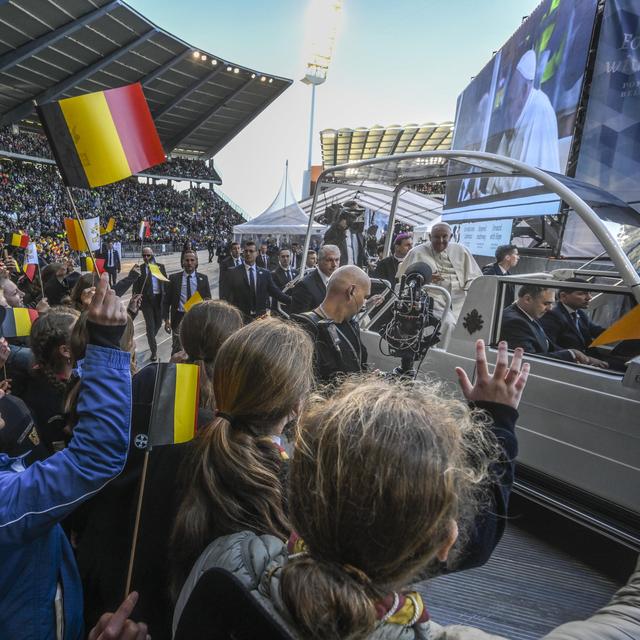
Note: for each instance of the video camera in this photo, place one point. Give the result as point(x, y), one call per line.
point(351, 211)
point(413, 328)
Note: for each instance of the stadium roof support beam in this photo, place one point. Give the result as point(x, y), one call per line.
point(209, 153)
point(192, 128)
point(33, 47)
point(163, 68)
point(24, 109)
point(187, 92)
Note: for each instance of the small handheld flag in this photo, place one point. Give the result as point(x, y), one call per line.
point(102, 137)
point(17, 322)
point(175, 404)
point(145, 230)
point(87, 264)
point(195, 299)
point(17, 240)
point(626, 328)
point(154, 269)
point(31, 261)
point(76, 238)
point(109, 228)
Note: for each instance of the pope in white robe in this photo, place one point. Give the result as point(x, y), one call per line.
point(453, 267)
point(534, 136)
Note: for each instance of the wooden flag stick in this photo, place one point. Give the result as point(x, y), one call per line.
point(134, 541)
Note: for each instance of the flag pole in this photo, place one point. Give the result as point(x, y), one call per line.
point(136, 528)
point(84, 235)
point(143, 478)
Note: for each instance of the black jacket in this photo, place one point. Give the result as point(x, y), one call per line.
point(226, 265)
point(519, 331)
point(386, 269)
point(144, 284)
point(562, 330)
point(171, 301)
point(308, 293)
point(116, 259)
point(280, 277)
point(494, 269)
point(239, 292)
point(338, 349)
point(338, 236)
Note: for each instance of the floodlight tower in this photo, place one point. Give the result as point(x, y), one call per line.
point(323, 20)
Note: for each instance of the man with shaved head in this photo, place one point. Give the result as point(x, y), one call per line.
point(453, 268)
point(338, 349)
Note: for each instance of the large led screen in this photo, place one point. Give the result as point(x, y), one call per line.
point(610, 149)
point(523, 103)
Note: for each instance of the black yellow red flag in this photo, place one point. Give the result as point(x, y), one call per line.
point(175, 404)
point(102, 137)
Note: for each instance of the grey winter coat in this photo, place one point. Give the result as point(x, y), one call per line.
point(254, 560)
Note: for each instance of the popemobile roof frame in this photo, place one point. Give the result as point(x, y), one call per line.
point(404, 170)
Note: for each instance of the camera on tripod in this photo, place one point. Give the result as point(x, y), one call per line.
point(350, 211)
point(413, 329)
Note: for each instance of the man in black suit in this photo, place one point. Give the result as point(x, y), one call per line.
point(387, 268)
point(262, 259)
point(348, 239)
point(180, 288)
point(311, 290)
point(507, 257)
point(249, 286)
point(152, 291)
point(567, 324)
point(230, 262)
point(284, 273)
point(111, 263)
point(296, 256)
point(521, 327)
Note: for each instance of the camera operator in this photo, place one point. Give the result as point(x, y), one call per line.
point(346, 232)
point(336, 335)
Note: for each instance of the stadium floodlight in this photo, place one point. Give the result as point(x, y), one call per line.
point(253, 75)
point(262, 79)
point(203, 58)
point(214, 62)
point(229, 68)
point(196, 54)
point(322, 25)
point(236, 70)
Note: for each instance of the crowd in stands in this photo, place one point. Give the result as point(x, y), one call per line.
point(33, 198)
point(31, 143)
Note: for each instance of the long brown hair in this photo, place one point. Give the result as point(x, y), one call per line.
point(85, 281)
point(381, 472)
point(202, 332)
point(51, 331)
point(261, 375)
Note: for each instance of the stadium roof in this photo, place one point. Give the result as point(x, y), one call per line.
point(348, 145)
point(51, 49)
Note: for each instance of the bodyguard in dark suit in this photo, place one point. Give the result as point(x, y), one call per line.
point(180, 288)
point(311, 290)
point(567, 324)
point(111, 262)
point(263, 259)
point(152, 291)
point(249, 287)
point(521, 326)
point(507, 257)
point(228, 263)
point(284, 274)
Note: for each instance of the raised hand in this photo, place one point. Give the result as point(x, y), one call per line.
point(504, 386)
point(117, 626)
point(106, 308)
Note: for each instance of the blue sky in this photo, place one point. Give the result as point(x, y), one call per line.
point(396, 62)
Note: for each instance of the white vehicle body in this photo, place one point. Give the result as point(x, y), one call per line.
point(579, 427)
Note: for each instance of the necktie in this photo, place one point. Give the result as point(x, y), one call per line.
point(288, 275)
point(188, 287)
point(238, 262)
point(542, 334)
point(252, 285)
point(576, 322)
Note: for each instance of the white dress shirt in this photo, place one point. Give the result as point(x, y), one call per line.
point(183, 288)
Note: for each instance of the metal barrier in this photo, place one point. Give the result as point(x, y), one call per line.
point(134, 249)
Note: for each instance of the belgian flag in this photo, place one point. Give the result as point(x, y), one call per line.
point(174, 412)
point(102, 137)
point(87, 264)
point(17, 240)
point(17, 322)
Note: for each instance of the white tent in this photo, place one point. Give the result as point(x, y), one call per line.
point(283, 217)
